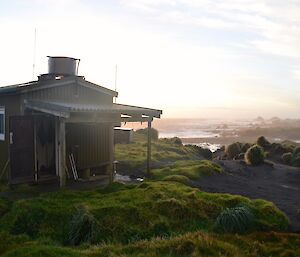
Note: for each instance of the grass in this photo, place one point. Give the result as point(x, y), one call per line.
point(134, 155)
point(189, 244)
point(177, 178)
point(191, 169)
point(163, 217)
point(125, 214)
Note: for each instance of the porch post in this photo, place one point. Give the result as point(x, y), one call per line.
point(149, 148)
point(61, 152)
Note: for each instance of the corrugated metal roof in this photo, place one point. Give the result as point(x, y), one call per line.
point(16, 87)
point(64, 109)
point(39, 85)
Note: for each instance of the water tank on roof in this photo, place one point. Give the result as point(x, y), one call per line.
point(59, 65)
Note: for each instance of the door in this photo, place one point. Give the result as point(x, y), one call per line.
point(21, 134)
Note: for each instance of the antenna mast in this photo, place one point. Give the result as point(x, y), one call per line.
point(34, 55)
point(116, 76)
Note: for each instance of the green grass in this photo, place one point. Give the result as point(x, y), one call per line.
point(177, 178)
point(191, 169)
point(189, 244)
point(126, 214)
point(134, 155)
point(156, 218)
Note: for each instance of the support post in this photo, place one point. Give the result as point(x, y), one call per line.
point(149, 148)
point(61, 152)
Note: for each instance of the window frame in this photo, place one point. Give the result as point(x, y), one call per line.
point(2, 135)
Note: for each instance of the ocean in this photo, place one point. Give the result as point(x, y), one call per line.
point(203, 129)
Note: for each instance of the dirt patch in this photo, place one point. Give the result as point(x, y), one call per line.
point(279, 184)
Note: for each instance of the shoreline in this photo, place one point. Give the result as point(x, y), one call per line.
point(218, 140)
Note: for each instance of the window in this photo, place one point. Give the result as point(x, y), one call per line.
point(2, 123)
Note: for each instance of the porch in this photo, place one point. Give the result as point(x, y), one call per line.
point(45, 138)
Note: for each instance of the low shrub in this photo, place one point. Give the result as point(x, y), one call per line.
point(287, 158)
point(254, 155)
point(233, 150)
point(263, 142)
point(235, 220)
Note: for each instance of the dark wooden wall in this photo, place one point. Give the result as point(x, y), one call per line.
point(12, 107)
point(90, 144)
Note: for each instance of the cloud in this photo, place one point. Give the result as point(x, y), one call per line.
point(274, 24)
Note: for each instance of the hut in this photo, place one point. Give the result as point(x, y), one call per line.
point(123, 135)
point(59, 123)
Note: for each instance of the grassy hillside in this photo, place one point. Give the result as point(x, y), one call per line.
point(161, 217)
point(125, 215)
point(129, 213)
point(133, 156)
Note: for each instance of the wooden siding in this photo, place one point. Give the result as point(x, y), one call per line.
point(12, 107)
point(89, 143)
point(72, 93)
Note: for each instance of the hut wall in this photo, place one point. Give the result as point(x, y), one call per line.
point(11, 103)
point(89, 143)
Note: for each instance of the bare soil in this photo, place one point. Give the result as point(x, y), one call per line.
point(279, 184)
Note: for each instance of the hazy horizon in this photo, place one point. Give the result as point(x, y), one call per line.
point(192, 59)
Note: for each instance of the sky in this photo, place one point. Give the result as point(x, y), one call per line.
point(190, 58)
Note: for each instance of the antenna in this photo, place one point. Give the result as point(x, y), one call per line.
point(116, 76)
point(34, 55)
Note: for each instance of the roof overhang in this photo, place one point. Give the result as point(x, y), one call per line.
point(125, 113)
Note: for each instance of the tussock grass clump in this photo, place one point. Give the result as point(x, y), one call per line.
point(245, 147)
point(287, 158)
point(235, 220)
point(263, 142)
point(206, 153)
point(83, 227)
point(296, 151)
point(254, 155)
point(296, 161)
point(233, 150)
